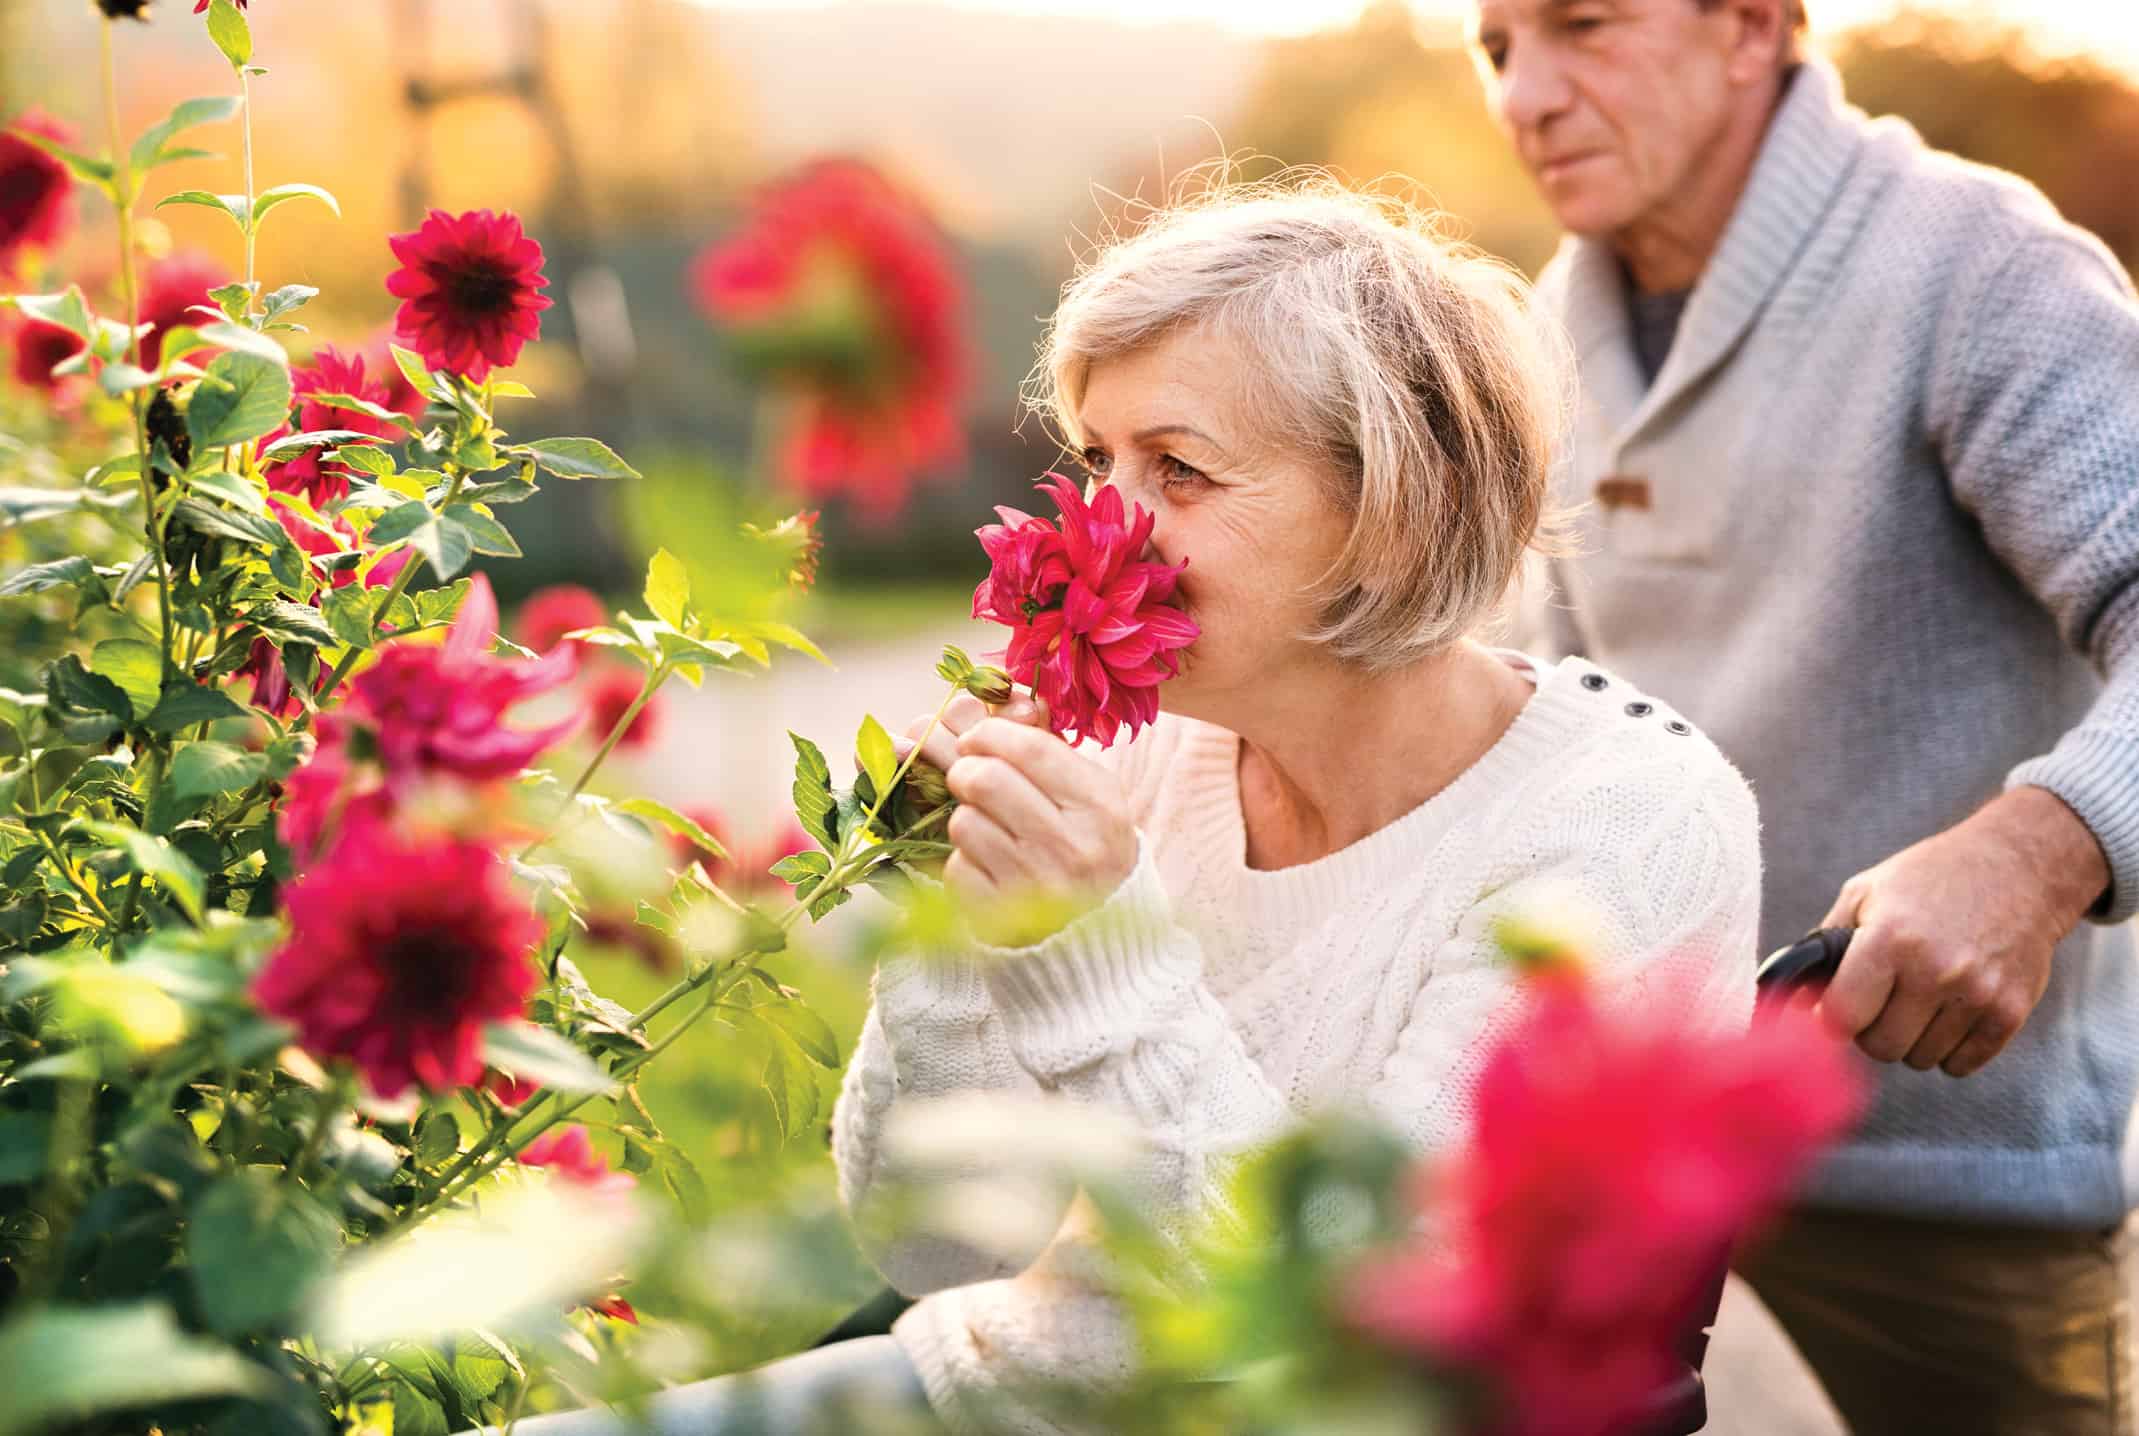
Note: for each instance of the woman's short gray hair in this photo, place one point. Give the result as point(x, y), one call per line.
point(1402, 363)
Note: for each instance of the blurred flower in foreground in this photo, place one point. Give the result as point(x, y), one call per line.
point(841, 290)
point(171, 294)
point(400, 950)
point(1613, 1160)
point(35, 189)
point(795, 545)
point(548, 614)
point(1092, 630)
point(468, 288)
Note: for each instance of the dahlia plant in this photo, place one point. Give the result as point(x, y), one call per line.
point(291, 889)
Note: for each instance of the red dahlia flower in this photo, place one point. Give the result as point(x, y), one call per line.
point(1092, 629)
point(35, 190)
point(439, 709)
point(39, 348)
point(1613, 1159)
point(399, 952)
point(510, 1091)
point(609, 694)
point(467, 286)
point(548, 614)
point(170, 294)
point(842, 289)
point(328, 372)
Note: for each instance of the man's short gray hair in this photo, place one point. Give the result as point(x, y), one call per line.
point(1401, 363)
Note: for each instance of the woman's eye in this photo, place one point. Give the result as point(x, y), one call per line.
point(1095, 462)
point(1174, 473)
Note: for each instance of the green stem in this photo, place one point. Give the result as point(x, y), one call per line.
point(73, 1120)
point(655, 677)
point(245, 85)
point(123, 201)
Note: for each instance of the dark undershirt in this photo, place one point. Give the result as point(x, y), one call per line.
point(1655, 319)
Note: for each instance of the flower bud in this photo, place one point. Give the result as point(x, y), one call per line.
point(989, 684)
point(124, 9)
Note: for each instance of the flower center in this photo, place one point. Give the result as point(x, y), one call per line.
point(430, 974)
point(480, 289)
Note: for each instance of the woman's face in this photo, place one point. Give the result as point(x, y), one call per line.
point(1166, 426)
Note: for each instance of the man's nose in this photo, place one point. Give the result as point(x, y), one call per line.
point(1533, 88)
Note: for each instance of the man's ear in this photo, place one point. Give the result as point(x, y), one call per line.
point(1760, 39)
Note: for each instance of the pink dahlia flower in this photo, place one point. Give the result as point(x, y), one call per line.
point(439, 709)
point(399, 952)
point(1613, 1160)
point(328, 372)
point(1092, 630)
point(468, 286)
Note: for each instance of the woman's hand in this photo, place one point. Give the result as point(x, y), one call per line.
point(963, 715)
point(1038, 825)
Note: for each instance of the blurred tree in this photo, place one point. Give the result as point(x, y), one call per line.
point(2069, 124)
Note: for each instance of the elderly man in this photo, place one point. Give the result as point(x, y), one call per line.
point(1859, 444)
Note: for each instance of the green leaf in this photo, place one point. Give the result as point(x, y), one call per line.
point(358, 405)
point(227, 27)
point(295, 622)
point(120, 379)
point(291, 446)
point(67, 309)
point(155, 858)
point(185, 704)
point(206, 199)
point(484, 533)
point(85, 168)
point(204, 517)
point(668, 587)
point(445, 546)
point(809, 1031)
point(812, 790)
point(282, 194)
point(510, 389)
point(350, 613)
point(256, 1246)
point(151, 149)
point(206, 770)
point(256, 401)
point(576, 458)
point(38, 577)
point(414, 370)
point(540, 1055)
point(880, 760)
point(779, 1091)
point(242, 340)
point(397, 523)
point(231, 488)
point(788, 636)
point(437, 1137)
point(286, 299)
point(662, 815)
point(25, 1142)
point(232, 299)
point(137, 668)
point(70, 685)
point(63, 1364)
point(799, 868)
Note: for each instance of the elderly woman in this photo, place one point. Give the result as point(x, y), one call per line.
point(1344, 423)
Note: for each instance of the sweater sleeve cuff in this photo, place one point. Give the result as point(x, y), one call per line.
point(1090, 990)
point(2097, 776)
point(934, 991)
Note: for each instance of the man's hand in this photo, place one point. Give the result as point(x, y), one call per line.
point(1955, 935)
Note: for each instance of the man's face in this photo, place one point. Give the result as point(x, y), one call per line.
point(1612, 104)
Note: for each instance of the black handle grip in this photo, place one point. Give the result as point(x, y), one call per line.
point(1811, 961)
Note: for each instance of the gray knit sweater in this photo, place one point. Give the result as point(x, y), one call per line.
point(1875, 528)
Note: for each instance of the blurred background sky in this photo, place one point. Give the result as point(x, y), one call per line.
point(630, 133)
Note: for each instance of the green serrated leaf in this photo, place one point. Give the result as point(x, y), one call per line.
point(239, 339)
point(207, 770)
point(484, 533)
point(290, 446)
point(185, 704)
point(358, 405)
point(296, 622)
point(231, 488)
point(668, 587)
point(53, 573)
point(576, 458)
point(243, 397)
point(67, 309)
point(256, 1247)
point(136, 667)
point(662, 815)
point(204, 517)
point(351, 613)
point(156, 858)
point(289, 297)
point(810, 1032)
point(414, 370)
point(206, 199)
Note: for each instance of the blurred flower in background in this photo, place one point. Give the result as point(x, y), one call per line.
point(34, 189)
point(171, 294)
point(548, 614)
point(840, 291)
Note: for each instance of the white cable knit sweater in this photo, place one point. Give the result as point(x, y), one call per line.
point(1217, 1005)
